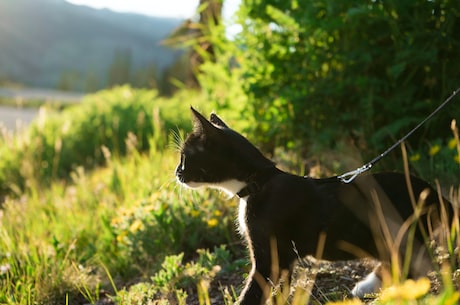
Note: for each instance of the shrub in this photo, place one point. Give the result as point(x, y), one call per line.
point(57, 142)
point(320, 71)
point(160, 224)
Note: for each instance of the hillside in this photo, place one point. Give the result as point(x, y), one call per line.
point(55, 44)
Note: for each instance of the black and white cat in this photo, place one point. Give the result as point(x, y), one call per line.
point(297, 212)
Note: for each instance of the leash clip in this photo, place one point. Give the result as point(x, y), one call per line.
point(350, 176)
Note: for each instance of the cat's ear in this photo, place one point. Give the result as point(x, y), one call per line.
point(201, 124)
point(217, 121)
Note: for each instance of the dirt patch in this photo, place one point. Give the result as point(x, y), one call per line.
point(328, 281)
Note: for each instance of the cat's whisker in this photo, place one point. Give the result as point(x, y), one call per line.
point(177, 187)
point(167, 183)
point(177, 140)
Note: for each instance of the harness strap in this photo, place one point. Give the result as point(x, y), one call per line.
point(257, 181)
point(249, 189)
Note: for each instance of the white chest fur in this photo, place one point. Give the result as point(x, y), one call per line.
point(242, 228)
point(231, 187)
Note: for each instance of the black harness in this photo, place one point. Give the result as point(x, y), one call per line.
point(257, 181)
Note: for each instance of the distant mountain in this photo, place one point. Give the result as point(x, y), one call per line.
point(46, 43)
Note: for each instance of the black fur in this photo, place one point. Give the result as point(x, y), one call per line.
point(295, 211)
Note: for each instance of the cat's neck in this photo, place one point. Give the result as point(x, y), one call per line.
point(231, 187)
point(251, 185)
point(257, 181)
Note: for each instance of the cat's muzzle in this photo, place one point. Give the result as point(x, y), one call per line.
point(180, 174)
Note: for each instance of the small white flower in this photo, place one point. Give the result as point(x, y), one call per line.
point(5, 268)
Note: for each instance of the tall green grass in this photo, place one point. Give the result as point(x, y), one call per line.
point(60, 141)
point(91, 203)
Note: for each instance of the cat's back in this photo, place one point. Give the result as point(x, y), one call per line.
point(287, 193)
point(292, 186)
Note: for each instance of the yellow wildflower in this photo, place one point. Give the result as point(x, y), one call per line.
point(414, 158)
point(123, 212)
point(217, 213)
point(137, 225)
point(149, 208)
point(155, 196)
point(409, 290)
point(127, 211)
point(434, 150)
point(121, 237)
point(115, 221)
point(457, 158)
point(452, 144)
point(453, 299)
point(212, 222)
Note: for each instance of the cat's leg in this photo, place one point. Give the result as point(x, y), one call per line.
point(420, 265)
point(265, 273)
point(421, 262)
point(252, 294)
point(371, 284)
point(256, 283)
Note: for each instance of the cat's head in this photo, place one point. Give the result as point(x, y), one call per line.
point(215, 155)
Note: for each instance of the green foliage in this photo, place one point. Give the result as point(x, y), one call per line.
point(158, 225)
point(220, 76)
point(44, 243)
point(64, 239)
point(319, 71)
point(439, 159)
point(169, 284)
point(58, 142)
point(175, 274)
point(121, 221)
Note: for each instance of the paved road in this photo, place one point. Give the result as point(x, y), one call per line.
point(14, 118)
point(49, 95)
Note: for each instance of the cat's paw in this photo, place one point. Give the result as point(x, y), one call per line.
point(370, 285)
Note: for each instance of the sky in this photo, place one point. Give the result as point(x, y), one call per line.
point(163, 8)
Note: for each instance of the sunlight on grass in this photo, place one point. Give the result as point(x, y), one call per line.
point(123, 230)
point(118, 216)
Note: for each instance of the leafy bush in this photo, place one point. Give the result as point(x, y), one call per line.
point(160, 224)
point(319, 71)
point(439, 158)
point(57, 142)
point(175, 276)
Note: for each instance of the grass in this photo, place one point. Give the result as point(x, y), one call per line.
point(122, 221)
point(67, 238)
point(122, 230)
